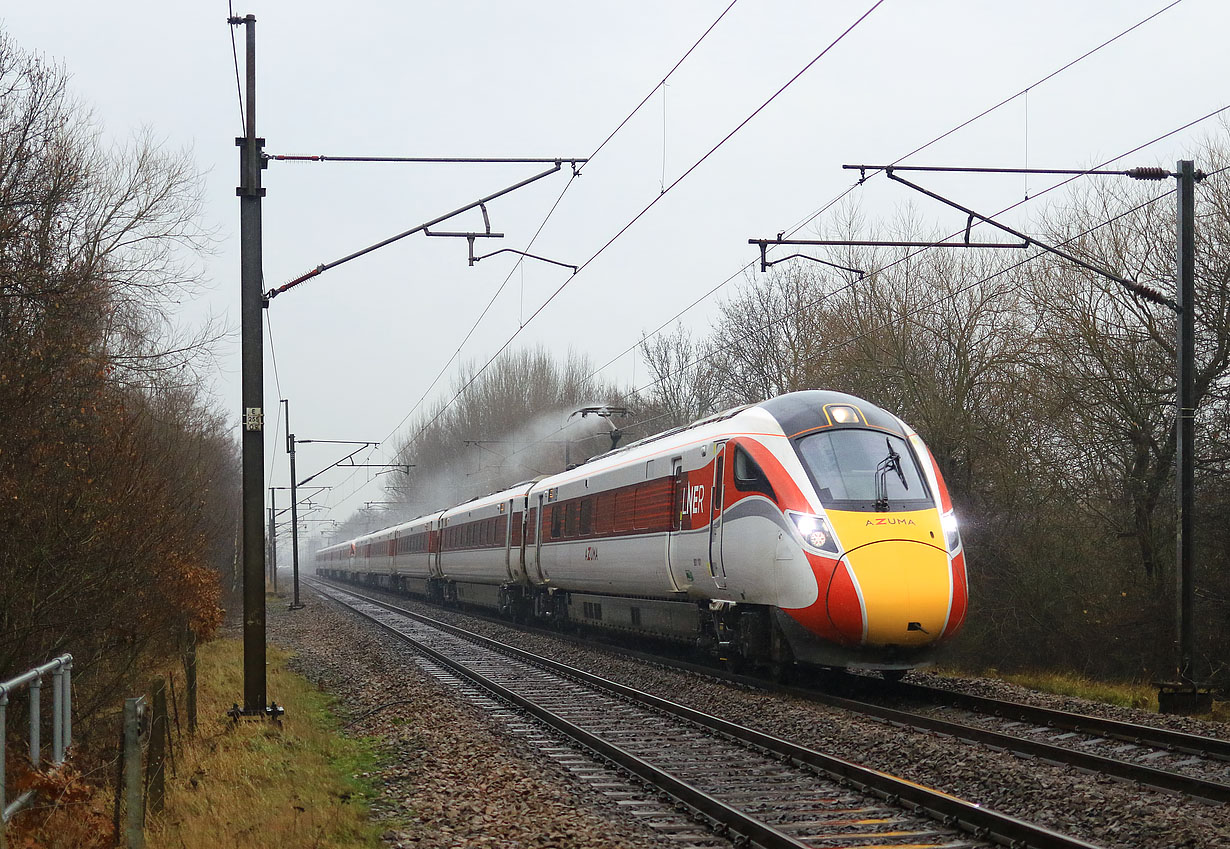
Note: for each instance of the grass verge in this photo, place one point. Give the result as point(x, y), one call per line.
point(1133, 695)
point(1066, 684)
point(255, 784)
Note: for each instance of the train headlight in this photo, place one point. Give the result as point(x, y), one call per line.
point(843, 415)
point(815, 531)
point(952, 534)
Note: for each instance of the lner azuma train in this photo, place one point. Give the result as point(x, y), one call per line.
point(813, 527)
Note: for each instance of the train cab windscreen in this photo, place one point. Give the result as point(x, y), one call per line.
point(854, 469)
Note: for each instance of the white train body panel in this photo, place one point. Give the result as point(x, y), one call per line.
point(667, 558)
point(413, 552)
point(475, 540)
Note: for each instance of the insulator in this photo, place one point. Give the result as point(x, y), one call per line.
point(1148, 173)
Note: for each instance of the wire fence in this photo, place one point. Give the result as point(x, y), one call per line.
point(152, 731)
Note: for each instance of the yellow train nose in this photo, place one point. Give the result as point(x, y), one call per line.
point(905, 587)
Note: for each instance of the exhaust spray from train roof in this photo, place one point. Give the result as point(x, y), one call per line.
point(490, 460)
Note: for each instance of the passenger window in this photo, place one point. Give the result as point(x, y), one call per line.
point(749, 477)
point(604, 514)
point(622, 509)
point(587, 516)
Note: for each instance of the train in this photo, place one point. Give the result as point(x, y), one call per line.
point(812, 528)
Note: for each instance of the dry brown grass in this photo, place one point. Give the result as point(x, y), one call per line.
point(70, 812)
point(255, 784)
point(1124, 694)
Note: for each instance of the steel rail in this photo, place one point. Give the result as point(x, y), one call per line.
point(1130, 732)
point(713, 809)
point(1145, 775)
point(1140, 735)
point(949, 810)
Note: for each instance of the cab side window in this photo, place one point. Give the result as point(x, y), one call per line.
point(749, 477)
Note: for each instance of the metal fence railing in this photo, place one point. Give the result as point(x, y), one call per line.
point(60, 670)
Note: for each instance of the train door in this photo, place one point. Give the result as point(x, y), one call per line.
point(675, 562)
point(433, 548)
point(439, 555)
point(716, 569)
point(508, 536)
point(525, 538)
point(538, 540)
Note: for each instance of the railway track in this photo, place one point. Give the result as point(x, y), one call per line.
point(1157, 758)
point(1186, 763)
point(1084, 742)
point(1161, 738)
point(749, 787)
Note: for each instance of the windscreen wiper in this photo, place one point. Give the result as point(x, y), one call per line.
point(890, 463)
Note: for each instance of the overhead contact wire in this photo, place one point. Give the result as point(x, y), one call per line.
point(662, 82)
point(936, 301)
point(795, 228)
point(636, 218)
point(848, 190)
point(576, 173)
point(784, 316)
point(987, 111)
point(803, 223)
point(914, 253)
point(827, 295)
point(646, 209)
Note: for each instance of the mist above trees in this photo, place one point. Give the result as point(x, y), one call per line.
point(509, 423)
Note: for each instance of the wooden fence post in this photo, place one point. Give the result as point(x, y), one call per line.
point(155, 766)
point(190, 682)
point(134, 798)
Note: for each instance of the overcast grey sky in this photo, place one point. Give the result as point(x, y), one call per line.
point(357, 347)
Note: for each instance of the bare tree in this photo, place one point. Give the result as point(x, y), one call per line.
point(116, 483)
point(687, 385)
point(768, 339)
